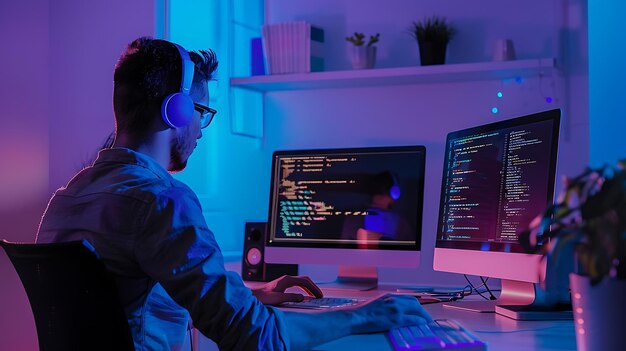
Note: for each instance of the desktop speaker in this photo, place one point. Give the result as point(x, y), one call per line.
point(253, 266)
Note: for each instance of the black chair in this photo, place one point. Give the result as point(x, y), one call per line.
point(73, 297)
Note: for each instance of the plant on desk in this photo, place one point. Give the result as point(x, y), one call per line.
point(588, 222)
point(363, 55)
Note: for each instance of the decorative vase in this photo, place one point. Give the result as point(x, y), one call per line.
point(599, 313)
point(363, 57)
point(432, 52)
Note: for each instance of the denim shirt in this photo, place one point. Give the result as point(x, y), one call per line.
point(149, 231)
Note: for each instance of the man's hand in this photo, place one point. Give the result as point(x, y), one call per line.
point(387, 312)
point(273, 293)
point(309, 329)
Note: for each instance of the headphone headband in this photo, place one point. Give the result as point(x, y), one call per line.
point(187, 70)
point(177, 108)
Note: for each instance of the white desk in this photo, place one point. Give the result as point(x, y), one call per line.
point(499, 332)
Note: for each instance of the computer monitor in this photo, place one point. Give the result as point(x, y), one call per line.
point(496, 179)
point(359, 208)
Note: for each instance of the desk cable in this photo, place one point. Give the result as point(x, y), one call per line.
point(484, 283)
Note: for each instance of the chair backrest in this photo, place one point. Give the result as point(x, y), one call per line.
point(73, 297)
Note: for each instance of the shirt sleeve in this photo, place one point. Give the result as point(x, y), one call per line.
point(178, 250)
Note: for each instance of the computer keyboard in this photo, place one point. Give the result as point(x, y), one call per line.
point(442, 334)
point(323, 303)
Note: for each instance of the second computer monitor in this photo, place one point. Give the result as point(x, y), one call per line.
point(349, 207)
point(496, 179)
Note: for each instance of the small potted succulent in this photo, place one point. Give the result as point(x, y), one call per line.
point(363, 55)
point(432, 35)
point(587, 225)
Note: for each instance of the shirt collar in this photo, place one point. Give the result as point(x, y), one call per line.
point(128, 156)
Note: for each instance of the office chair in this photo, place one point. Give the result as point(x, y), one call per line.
point(73, 297)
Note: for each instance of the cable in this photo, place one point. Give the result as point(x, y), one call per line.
point(474, 288)
point(491, 297)
point(451, 295)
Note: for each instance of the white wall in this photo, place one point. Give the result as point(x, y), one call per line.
point(86, 39)
point(23, 153)
point(424, 114)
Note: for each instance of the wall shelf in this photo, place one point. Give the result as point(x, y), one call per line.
point(397, 76)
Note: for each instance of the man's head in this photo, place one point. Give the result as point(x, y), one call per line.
point(383, 189)
point(146, 73)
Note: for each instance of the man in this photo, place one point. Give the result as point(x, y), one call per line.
point(149, 229)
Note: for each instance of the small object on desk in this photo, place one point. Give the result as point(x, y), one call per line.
point(425, 299)
point(432, 297)
point(536, 313)
point(323, 303)
point(441, 334)
point(415, 289)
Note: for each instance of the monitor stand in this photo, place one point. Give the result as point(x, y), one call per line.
point(513, 293)
point(354, 278)
point(518, 300)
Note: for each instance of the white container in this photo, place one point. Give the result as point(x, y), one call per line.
point(503, 50)
point(363, 56)
point(599, 313)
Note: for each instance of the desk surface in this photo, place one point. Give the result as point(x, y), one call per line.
point(499, 332)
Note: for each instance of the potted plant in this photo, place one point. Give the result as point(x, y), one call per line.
point(589, 220)
point(363, 55)
point(433, 35)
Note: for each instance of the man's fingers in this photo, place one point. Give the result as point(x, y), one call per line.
point(413, 320)
point(308, 285)
point(411, 306)
point(317, 292)
point(303, 282)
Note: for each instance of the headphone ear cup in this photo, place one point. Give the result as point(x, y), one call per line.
point(394, 190)
point(177, 110)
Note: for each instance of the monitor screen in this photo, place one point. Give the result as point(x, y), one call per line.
point(496, 179)
point(344, 201)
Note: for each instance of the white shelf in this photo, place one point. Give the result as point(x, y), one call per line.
point(397, 76)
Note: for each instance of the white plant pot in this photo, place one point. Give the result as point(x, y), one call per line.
point(599, 313)
point(363, 56)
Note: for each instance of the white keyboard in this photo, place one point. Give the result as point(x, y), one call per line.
point(323, 303)
point(442, 334)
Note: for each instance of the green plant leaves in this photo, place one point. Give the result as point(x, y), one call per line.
point(433, 29)
point(591, 214)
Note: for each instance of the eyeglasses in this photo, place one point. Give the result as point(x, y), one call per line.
point(206, 114)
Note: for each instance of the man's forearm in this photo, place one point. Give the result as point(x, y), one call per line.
point(309, 329)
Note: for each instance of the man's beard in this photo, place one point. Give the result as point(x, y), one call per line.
point(179, 153)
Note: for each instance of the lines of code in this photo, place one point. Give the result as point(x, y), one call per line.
point(347, 198)
point(495, 183)
point(303, 181)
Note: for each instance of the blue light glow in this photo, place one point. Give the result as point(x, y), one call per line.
point(548, 99)
point(494, 110)
point(499, 94)
point(519, 80)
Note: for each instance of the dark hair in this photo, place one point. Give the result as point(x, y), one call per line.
point(381, 183)
point(147, 72)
